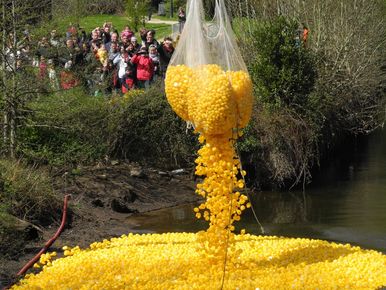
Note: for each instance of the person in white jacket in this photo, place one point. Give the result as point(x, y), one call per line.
point(122, 61)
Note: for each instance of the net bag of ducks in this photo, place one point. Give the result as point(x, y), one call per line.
point(208, 85)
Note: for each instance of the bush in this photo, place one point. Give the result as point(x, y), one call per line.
point(149, 131)
point(279, 145)
point(69, 127)
point(277, 148)
point(283, 71)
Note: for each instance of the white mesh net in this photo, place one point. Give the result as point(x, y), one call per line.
point(208, 42)
point(207, 82)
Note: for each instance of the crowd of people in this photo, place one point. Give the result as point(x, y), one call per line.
point(105, 60)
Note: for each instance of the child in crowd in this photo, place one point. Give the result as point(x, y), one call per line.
point(121, 62)
point(103, 55)
point(52, 75)
point(42, 68)
point(154, 55)
point(129, 79)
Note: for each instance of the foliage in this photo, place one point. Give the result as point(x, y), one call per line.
point(137, 11)
point(26, 193)
point(308, 96)
point(283, 71)
point(70, 127)
point(348, 40)
point(149, 131)
point(65, 128)
point(86, 7)
point(278, 148)
point(279, 145)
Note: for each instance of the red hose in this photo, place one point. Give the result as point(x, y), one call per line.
point(50, 242)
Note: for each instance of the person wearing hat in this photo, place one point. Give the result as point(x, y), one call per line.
point(145, 67)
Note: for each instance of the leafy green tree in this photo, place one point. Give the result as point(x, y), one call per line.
point(283, 69)
point(137, 11)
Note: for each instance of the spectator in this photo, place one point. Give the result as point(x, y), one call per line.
point(95, 42)
point(86, 54)
point(103, 55)
point(154, 55)
point(305, 35)
point(150, 39)
point(181, 18)
point(145, 67)
point(114, 51)
point(125, 40)
point(43, 47)
point(135, 43)
point(42, 68)
point(105, 34)
point(113, 54)
point(83, 37)
point(71, 31)
point(143, 33)
point(114, 37)
point(129, 79)
point(54, 40)
point(131, 50)
point(52, 75)
point(128, 32)
point(121, 62)
point(165, 50)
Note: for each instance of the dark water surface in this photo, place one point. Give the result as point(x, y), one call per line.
point(346, 202)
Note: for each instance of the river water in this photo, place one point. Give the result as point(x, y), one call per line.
point(346, 202)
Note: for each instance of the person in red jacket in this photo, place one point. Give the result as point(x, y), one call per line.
point(145, 67)
point(306, 31)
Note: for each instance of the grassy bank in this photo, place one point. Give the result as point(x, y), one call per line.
point(26, 198)
point(93, 21)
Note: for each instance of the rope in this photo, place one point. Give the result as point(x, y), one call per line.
point(249, 197)
point(227, 245)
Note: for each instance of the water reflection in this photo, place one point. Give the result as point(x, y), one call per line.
point(345, 203)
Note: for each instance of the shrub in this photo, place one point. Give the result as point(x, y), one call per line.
point(147, 130)
point(68, 127)
point(279, 145)
point(283, 71)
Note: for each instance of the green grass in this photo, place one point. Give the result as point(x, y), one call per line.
point(118, 21)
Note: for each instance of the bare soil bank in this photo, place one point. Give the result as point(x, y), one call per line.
point(103, 199)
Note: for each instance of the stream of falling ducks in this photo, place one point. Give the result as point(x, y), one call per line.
point(218, 103)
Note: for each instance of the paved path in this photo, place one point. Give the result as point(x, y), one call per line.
point(172, 23)
point(161, 21)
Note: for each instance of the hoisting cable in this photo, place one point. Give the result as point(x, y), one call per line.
point(247, 191)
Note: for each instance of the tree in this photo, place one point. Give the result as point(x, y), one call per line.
point(18, 80)
point(137, 11)
point(349, 41)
